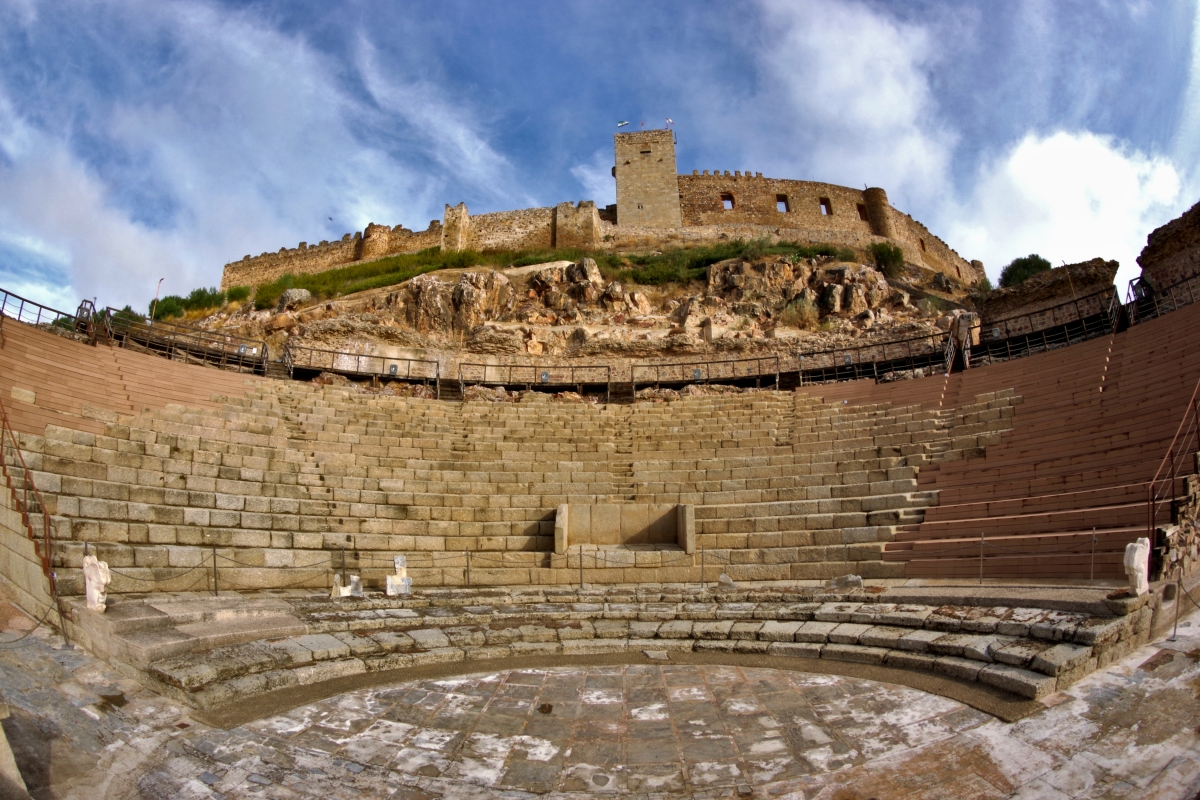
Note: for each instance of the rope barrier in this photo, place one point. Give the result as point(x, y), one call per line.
point(29, 632)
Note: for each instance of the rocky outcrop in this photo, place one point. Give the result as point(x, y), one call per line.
point(1172, 252)
point(1051, 288)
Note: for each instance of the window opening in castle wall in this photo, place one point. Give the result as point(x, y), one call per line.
point(781, 203)
point(922, 243)
point(826, 207)
point(727, 201)
point(862, 212)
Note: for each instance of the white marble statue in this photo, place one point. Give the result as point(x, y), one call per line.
point(96, 578)
point(1137, 566)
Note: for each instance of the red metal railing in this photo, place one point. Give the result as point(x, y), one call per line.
point(28, 503)
point(1175, 464)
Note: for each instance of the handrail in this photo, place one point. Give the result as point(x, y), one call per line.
point(1147, 306)
point(29, 311)
point(25, 508)
point(1162, 489)
point(228, 349)
point(535, 374)
point(702, 371)
point(360, 364)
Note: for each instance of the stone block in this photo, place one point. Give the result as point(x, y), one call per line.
point(1018, 653)
point(323, 646)
point(1030, 685)
point(712, 630)
point(835, 612)
point(774, 631)
point(1061, 658)
point(674, 629)
point(918, 640)
point(882, 636)
point(848, 633)
point(429, 638)
point(961, 668)
point(795, 649)
point(902, 659)
point(855, 653)
point(815, 631)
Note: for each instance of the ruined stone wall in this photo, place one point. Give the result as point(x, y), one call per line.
point(375, 242)
point(757, 200)
point(1053, 288)
point(525, 229)
point(647, 180)
point(577, 225)
point(1172, 252)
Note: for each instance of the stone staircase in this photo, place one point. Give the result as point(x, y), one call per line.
point(211, 652)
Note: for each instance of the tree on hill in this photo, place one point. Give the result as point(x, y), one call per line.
point(1021, 269)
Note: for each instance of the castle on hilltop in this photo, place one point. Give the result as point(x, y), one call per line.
point(656, 207)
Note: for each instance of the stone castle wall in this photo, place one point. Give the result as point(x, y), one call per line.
point(375, 242)
point(655, 207)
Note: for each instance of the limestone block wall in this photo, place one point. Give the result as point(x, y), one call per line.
point(524, 229)
point(21, 576)
point(647, 186)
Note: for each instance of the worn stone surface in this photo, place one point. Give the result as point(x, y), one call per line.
point(648, 732)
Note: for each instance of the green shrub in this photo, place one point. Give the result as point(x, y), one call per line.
point(372, 275)
point(800, 314)
point(1021, 269)
point(237, 294)
point(168, 307)
point(888, 257)
point(984, 286)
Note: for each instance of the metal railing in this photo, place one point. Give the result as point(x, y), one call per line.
point(1144, 302)
point(530, 375)
point(1179, 462)
point(29, 505)
point(25, 310)
point(182, 342)
point(399, 368)
point(707, 371)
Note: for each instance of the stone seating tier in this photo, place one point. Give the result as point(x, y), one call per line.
point(280, 481)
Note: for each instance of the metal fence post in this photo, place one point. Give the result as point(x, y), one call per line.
point(216, 590)
point(981, 558)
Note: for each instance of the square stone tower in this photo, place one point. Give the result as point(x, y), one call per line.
point(647, 181)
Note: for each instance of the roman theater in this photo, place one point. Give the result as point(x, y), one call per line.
point(540, 522)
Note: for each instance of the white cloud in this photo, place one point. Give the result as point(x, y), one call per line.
point(596, 178)
point(853, 85)
point(248, 139)
point(1068, 197)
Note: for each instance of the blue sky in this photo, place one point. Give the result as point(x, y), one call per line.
point(147, 140)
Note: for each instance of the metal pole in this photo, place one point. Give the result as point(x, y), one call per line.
point(981, 558)
point(702, 584)
point(1092, 568)
point(581, 568)
point(1178, 602)
point(468, 553)
point(344, 566)
point(216, 591)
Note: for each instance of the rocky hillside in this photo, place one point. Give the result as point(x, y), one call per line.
point(567, 309)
